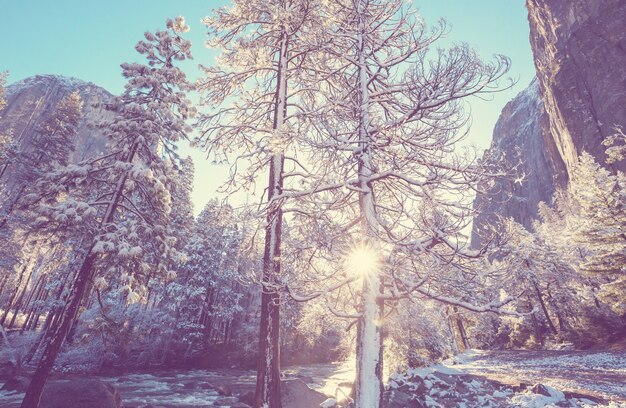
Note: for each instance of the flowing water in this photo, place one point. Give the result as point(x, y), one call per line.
point(200, 388)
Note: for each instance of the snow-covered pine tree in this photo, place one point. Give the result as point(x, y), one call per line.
point(265, 46)
point(208, 296)
point(121, 199)
point(598, 225)
point(616, 146)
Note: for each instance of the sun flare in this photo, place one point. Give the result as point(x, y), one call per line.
point(362, 260)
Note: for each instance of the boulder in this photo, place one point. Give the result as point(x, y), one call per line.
point(17, 383)
point(224, 390)
point(296, 394)
point(399, 399)
point(225, 401)
point(85, 393)
point(329, 403)
point(540, 389)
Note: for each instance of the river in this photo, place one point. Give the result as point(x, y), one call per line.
point(199, 388)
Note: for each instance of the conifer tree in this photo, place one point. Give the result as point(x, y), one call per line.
point(256, 87)
point(598, 224)
point(121, 199)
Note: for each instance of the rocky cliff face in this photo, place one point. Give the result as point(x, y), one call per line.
point(32, 100)
point(578, 99)
point(579, 48)
point(519, 135)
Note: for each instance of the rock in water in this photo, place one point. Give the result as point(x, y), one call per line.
point(296, 394)
point(89, 393)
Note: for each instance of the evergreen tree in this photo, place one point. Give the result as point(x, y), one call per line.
point(121, 199)
point(256, 88)
point(598, 225)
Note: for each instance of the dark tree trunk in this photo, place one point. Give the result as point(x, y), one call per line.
point(544, 308)
point(35, 388)
point(82, 284)
point(267, 393)
point(35, 295)
point(5, 278)
point(19, 302)
point(13, 295)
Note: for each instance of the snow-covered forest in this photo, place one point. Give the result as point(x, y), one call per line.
point(371, 263)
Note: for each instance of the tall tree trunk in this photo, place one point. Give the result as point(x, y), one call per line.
point(267, 393)
point(13, 295)
point(20, 300)
point(369, 369)
point(33, 296)
point(544, 308)
point(463, 333)
point(82, 282)
point(38, 381)
point(3, 283)
point(453, 340)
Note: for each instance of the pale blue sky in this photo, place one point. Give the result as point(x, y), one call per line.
point(88, 39)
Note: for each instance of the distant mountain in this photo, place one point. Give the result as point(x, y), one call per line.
point(31, 100)
point(518, 134)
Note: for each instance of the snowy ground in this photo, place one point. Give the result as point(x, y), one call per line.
point(601, 374)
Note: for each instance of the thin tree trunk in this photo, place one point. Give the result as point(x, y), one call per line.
point(463, 333)
point(453, 339)
point(544, 308)
point(5, 279)
point(34, 296)
point(267, 394)
point(13, 295)
point(19, 302)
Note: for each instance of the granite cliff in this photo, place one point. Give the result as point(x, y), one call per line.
point(518, 135)
point(577, 100)
point(579, 49)
point(31, 100)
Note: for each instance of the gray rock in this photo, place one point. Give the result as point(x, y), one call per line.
point(87, 393)
point(399, 399)
point(519, 135)
point(226, 401)
point(296, 394)
point(540, 389)
point(578, 48)
point(224, 390)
